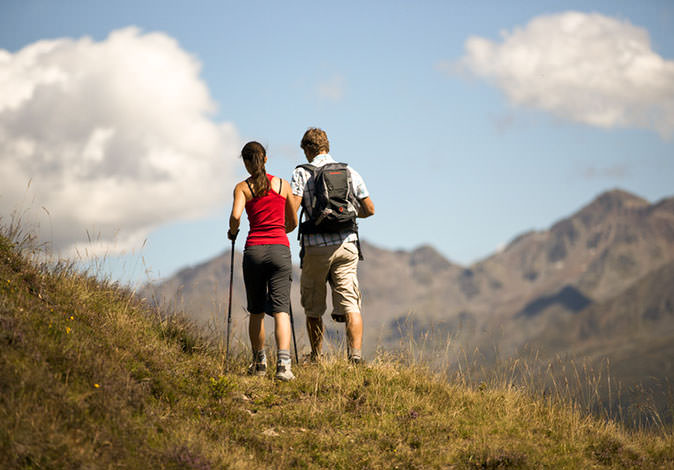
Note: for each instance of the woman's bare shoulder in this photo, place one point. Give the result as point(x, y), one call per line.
point(242, 187)
point(285, 187)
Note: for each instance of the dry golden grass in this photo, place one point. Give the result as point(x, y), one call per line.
point(90, 377)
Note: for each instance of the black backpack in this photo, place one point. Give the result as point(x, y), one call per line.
point(333, 207)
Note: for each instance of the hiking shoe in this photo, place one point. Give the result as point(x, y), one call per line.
point(357, 361)
point(338, 318)
point(313, 358)
point(258, 369)
point(284, 374)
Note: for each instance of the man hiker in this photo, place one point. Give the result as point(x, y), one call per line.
point(332, 195)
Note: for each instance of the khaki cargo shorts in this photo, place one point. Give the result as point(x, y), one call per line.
point(338, 265)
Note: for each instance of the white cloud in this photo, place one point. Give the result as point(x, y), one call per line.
point(619, 171)
point(115, 136)
point(583, 67)
point(332, 89)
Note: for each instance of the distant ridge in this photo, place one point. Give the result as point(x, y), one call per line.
point(531, 294)
point(547, 289)
point(596, 252)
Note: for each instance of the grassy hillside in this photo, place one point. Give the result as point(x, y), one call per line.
point(92, 378)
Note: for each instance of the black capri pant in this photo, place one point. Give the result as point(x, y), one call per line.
point(266, 274)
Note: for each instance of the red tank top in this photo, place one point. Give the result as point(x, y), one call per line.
point(266, 216)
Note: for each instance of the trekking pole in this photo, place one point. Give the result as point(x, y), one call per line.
point(229, 308)
point(292, 326)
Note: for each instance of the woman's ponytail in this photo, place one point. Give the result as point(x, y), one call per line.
point(254, 153)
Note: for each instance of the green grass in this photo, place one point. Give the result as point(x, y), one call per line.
point(90, 377)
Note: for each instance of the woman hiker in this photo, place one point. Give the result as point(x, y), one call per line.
point(266, 257)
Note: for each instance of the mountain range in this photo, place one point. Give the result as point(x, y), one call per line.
point(597, 285)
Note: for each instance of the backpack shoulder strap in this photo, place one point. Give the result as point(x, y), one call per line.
point(308, 166)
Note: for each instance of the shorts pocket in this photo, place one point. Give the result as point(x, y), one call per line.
point(351, 248)
point(306, 292)
point(313, 297)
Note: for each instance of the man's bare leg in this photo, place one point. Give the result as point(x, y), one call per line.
point(354, 334)
point(315, 332)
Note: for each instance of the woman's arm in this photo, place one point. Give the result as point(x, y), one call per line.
point(237, 209)
point(291, 208)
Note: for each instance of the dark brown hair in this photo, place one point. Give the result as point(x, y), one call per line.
point(253, 153)
point(315, 141)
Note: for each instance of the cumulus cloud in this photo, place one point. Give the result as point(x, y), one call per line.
point(614, 172)
point(115, 137)
point(583, 67)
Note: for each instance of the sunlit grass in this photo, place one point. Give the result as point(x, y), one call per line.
point(92, 377)
point(589, 387)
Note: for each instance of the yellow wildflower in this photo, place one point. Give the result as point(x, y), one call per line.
point(68, 330)
point(96, 386)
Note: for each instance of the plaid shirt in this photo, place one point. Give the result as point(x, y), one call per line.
point(302, 185)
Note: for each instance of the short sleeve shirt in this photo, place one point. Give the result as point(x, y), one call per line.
point(302, 185)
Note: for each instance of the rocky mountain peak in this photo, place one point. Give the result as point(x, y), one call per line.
point(617, 199)
point(430, 257)
point(610, 202)
point(621, 198)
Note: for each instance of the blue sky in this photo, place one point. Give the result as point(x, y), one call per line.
point(460, 147)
